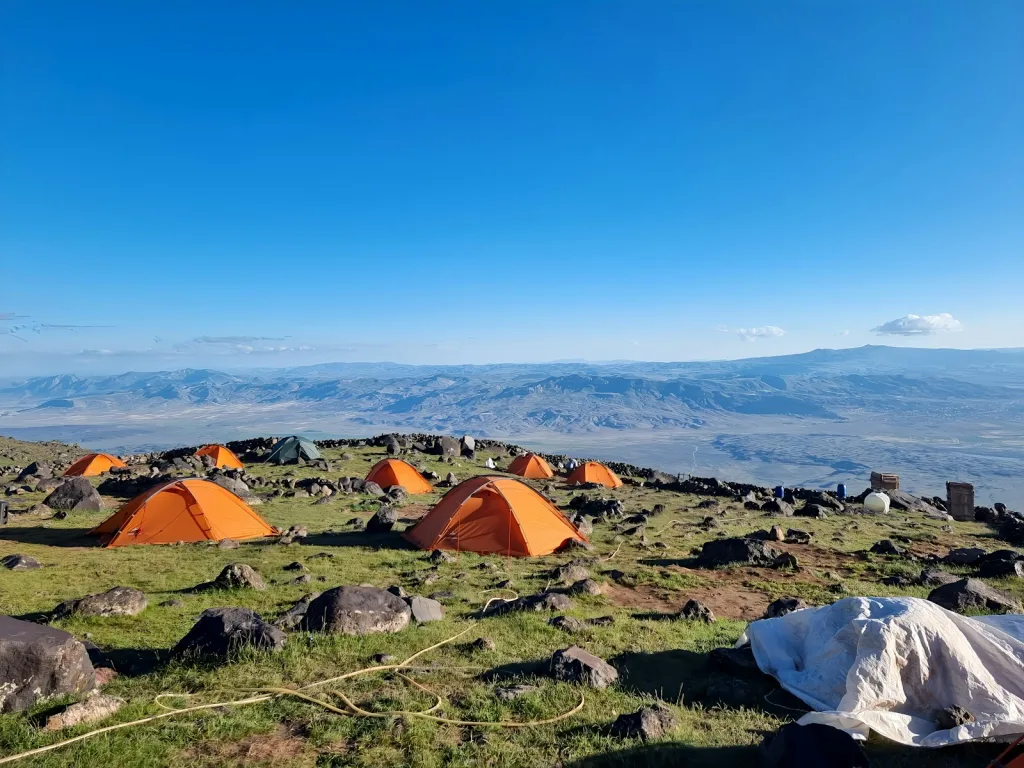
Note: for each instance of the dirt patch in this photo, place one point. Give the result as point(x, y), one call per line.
point(728, 601)
point(281, 747)
point(412, 512)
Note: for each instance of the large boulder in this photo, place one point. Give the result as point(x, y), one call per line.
point(906, 502)
point(742, 551)
point(37, 662)
point(777, 507)
point(39, 470)
point(221, 630)
point(575, 665)
point(74, 494)
point(119, 601)
point(449, 446)
point(964, 556)
point(356, 611)
point(972, 594)
point(383, 520)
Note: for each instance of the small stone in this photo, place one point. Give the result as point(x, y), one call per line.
point(483, 644)
point(96, 707)
point(173, 603)
point(783, 606)
point(646, 723)
point(886, 547)
point(19, 563)
point(510, 692)
point(694, 610)
point(952, 717)
point(586, 587)
point(227, 544)
point(567, 624)
point(383, 658)
point(439, 556)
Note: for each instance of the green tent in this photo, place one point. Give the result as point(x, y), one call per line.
point(288, 450)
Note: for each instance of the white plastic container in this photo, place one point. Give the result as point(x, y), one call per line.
point(877, 502)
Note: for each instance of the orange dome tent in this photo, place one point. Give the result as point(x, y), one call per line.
point(594, 472)
point(183, 510)
point(93, 464)
point(389, 472)
point(494, 515)
point(530, 465)
point(222, 457)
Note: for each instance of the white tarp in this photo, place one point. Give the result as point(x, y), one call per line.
point(889, 664)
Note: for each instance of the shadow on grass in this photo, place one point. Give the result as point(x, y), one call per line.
point(50, 537)
point(389, 540)
point(129, 662)
point(672, 756)
point(664, 562)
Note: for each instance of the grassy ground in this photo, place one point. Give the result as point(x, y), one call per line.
point(656, 658)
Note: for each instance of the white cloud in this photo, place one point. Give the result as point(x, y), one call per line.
point(919, 325)
point(751, 334)
point(844, 333)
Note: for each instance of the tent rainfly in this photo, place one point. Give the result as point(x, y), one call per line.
point(222, 457)
point(288, 450)
point(389, 472)
point(183, 510)
point(93, 464)
point(594, 472)
point(491, 514)
point(532, 466)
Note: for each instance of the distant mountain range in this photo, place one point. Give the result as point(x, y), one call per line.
point(574, 397)
point(811, 417)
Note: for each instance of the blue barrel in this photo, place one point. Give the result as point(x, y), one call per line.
point(780, 492)
point(841, 490)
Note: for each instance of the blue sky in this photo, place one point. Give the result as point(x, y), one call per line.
point(257, 183)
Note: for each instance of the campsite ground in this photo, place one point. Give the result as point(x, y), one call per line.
point(657, 655)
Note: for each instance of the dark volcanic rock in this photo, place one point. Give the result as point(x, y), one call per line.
point(964, 556)
point(37, 662)
point(695, 610)
point(952, 717)
point(1002, 568)
point(934, 577)
point(971, 594)
point(646, 723)
point(236, 576)
point(742, 551)
point(19, 563)
point(886, 547)
point(75, 493)
point(778, 507)
point(782, 606)
point(382, 521)
point(423, 609)
point(221, 630)
point(575, 665)
point(119, 601)
point(356, 611)
point(291, 618)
